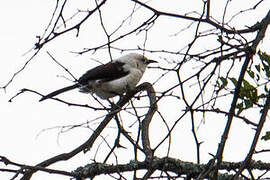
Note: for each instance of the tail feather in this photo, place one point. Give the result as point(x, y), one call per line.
point(59, 91)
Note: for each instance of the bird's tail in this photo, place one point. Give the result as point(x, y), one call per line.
point(59, 91)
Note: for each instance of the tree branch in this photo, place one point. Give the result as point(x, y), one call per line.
point(86, 146)
point(166, 164)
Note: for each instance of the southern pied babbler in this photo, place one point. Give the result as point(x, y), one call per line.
point(111, 79)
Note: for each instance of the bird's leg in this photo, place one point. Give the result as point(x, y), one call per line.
point(121, 96)
point(129, 91)
point(112, 104)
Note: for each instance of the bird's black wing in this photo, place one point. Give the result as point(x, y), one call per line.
point(105, 72)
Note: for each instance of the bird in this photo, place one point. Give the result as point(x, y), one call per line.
point(111, 79)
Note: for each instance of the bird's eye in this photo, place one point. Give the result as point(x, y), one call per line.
point(144, 60)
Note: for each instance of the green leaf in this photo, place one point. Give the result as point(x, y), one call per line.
point(266, 89)
point(258, 77)
point(224, 81)
point(258, 67)
point(248, 104)
point(240, 108)
point(266, 137)
point(251, 74)
point(264, 56)
point(234, 81)
point(262, 95)
point(266, 69)
point(265, 59)
point(247, 86)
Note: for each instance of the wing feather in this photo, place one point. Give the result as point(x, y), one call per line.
point(105, 72)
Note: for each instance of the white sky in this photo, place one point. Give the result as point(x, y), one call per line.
point(25, 117)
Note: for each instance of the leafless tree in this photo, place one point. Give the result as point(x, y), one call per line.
point(218, 71)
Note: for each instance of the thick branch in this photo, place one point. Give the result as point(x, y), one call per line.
point(166, 164)
point(146, 121)
point(89, 143)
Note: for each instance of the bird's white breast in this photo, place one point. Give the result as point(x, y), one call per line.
point(110, 89)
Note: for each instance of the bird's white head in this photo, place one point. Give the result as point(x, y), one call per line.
point(136, 60)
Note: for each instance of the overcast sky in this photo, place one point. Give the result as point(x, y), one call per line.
point(24, 118)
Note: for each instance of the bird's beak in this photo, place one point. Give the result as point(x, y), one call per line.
point(151, 61)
